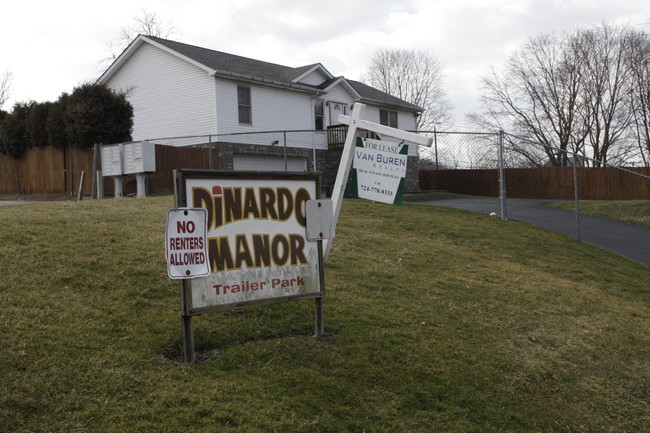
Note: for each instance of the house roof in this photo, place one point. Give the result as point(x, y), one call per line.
point(373, 95)
point(238, 67)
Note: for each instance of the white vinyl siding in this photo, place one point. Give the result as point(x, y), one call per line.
point(316, 78)
point(272, 109)
point(405, 119)
point(338, 95)
point(170, 97)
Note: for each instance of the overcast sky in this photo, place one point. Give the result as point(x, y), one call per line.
point(52, 46)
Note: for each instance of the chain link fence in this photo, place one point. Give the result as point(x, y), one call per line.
point(588, 200)
point(280, 151)
point(496, 174)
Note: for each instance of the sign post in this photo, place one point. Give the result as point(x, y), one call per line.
point(187, 257)
point(355, 123)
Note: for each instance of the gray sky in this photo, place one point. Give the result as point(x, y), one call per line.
point(52, 46)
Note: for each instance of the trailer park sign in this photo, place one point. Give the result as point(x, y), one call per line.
point(256, 239)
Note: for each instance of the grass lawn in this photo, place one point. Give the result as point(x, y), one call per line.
point(437, 320)
point(629, 211)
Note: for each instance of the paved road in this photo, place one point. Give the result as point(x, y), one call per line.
point(629, 240)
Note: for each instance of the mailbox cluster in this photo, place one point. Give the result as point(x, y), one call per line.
point(137, 157)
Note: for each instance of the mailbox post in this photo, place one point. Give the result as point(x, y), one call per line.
point(113, 166)
point(137, 158)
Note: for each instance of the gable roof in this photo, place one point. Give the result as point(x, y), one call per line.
point(376, 96)
point(226, 65)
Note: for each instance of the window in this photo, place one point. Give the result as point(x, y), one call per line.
point(388, 118)
point(319, 114)
point(244, 105)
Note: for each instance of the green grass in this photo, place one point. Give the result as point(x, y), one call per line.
point(433, 195)
point(437, 320)
point(629, 211)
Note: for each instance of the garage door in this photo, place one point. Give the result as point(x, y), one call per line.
point(268, 163)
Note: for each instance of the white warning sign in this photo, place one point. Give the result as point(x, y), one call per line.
point(186, 244)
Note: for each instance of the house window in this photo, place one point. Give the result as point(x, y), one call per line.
point(244, 105)
point(388, 118)
point(319, 114)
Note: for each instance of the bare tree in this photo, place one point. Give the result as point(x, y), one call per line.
point(537, 96)
point(5, 87)
point(413, 76)
point(148, 23)
point(570, 92)
point(638, 58)
point(607, 85)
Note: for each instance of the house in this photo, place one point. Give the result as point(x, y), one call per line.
point(178, 90)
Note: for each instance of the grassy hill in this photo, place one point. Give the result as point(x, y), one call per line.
point(436, 320)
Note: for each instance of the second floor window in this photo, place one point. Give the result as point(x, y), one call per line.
point(388, 118)
point(244, 105)
point(319, 114)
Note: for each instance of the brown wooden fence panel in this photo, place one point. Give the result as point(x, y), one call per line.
point(169, 158)
point(76, 161)
point(468, 182)
point(554, 183)
point(540, 183)
point(46, 171)
point(8, 180)
point(50, 171)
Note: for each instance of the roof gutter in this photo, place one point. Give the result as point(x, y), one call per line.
point(267, 82)
point(414, 108)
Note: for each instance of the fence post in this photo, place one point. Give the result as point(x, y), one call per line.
point(576, 194)
point(502, 179)
point(284, 135)
point(313, 152)
point(435, 144)
point(209, 151)
point(93, 182)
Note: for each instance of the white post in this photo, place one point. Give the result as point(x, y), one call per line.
point(502, 179)
point(117, 182)
point(100, 185)
point(355, 122)
point(344, 171)
point(140, 184)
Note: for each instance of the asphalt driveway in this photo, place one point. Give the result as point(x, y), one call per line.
point(11, 202)
point(629, 240)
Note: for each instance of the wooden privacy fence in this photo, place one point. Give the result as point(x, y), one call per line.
point(51, 171)
point(555, 183)
point(45, 171)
